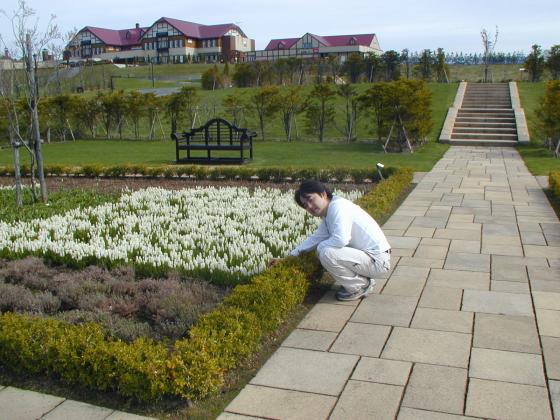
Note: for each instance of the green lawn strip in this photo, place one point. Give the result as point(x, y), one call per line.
point(196, 367)
point(266, 154)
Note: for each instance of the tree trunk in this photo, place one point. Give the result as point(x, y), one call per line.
point(36, 135)
point(17, 167)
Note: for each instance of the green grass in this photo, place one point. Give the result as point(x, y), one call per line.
point(295, 154)
point(538, 159)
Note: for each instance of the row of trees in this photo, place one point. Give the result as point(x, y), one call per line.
point(357, 68)
point(538, 61)
point(322, 106)
point(549, 117)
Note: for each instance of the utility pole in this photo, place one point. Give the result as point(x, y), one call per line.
point(153, 81)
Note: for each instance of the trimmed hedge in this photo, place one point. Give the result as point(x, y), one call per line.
point(554, 183)
point(277, 174)
point(192, 368)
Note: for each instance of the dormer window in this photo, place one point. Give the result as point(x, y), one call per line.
point(352, 41)
point(281, 45)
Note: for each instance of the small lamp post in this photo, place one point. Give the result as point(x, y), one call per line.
point(380, 166)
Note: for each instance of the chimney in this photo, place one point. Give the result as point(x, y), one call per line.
point(137, 26)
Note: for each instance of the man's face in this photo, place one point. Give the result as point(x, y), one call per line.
point(315, 204)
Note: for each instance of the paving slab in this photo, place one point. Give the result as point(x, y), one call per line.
point(509, 287)
point(502, 400)
point(435, 242)
point(551, 352)
point(467, 262)
point(361, 339)
point(544, 274)
point(532, 238)
point(542, 251)
point(120, 415)
point(232, 416)
point(404, 286)
point(433, 252)
point(461, 245)
point(500, 229)
point(415, 414)
point(497, 303)
point(429, 222)
point(281, 404)
point(441, 298)
point(75, 409)
point(554, 387)
point(326, 317)
point(19, 404)
point(509, 273)
point(545, 286)
point(386, 310)
point(421, 262)
point(310, 339)
point(507, 366)
point(368, 400)
point(501, 249)
point(508, 260)
point(414, 273)
point(549, 322)
point(443, 320)
point(459, 279)
point(403, 242)
point(382, 371)
point(306, 370)
point(420, 232)
point(547, 300)
point(427, 346)
point(465, 234)
point(436, 388)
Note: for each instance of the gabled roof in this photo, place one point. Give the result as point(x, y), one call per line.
point(328, 41)
point(274, 44)
point(196, 30)
point(117, 37)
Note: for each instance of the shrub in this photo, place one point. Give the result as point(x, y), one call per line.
point(554, 182)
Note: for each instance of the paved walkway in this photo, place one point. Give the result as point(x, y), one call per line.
point(467, 325)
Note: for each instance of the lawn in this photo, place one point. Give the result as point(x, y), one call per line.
point(283, 154)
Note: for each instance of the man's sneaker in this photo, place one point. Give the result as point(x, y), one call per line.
point(371, 286)
point(342, 293)
point(354, 295)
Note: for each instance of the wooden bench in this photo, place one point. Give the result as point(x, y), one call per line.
point(217, 135)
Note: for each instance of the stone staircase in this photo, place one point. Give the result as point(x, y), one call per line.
point(483, 115)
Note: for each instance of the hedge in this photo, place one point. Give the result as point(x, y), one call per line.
point(554, 183)
point(277, 174)
point(192, 368)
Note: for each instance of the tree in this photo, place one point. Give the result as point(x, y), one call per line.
point(375, 99)
point(391, 64)
point(29, 41)
point(354, 67)
point(265, 101)
point(212, 79)
point(549, 116)
point(291, 104)
point(348, 93)
point(135, 109)
point(405, 59)
point(442, 69)
point(488, 43)
point(87, 111)
point(553, 62)
point(244, 75)
point(373, 65)
point(235, 105)
point(535, 63)
point(425, 65)
point(320, 110)
point(189, 102)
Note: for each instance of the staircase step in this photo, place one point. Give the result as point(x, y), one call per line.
point(502, 111)
point(484, 136)
point(484, 130)
point(476, 142)
point(485, 124)
point(484, 119)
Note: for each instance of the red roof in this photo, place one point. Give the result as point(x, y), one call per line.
point(118, 37)
point(196, 30)
point(328, 41)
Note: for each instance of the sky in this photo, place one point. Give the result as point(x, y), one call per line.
point(454, 26)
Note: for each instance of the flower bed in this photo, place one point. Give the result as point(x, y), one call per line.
point(194, 367)
point(224, 234)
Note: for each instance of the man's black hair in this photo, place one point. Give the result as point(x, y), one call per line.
point(311, 186)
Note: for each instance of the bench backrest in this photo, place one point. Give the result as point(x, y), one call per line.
point(217, 131)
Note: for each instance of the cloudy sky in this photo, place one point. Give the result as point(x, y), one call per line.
point(413, 24)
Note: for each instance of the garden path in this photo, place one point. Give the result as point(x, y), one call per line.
point(466, 325)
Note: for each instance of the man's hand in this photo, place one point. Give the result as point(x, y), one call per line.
point(274, 262)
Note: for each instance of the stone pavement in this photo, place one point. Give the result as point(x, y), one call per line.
point(19, 404)
point(467, 324)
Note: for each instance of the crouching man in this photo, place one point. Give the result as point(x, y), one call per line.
point(350, 244)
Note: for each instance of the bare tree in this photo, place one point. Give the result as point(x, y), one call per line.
point(488, 43)
point(28, 41)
